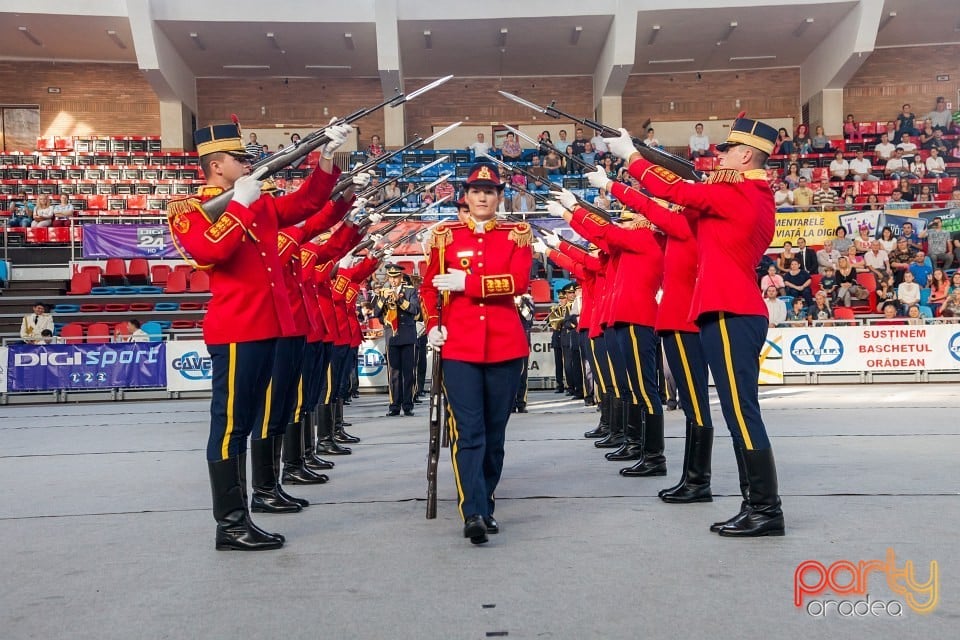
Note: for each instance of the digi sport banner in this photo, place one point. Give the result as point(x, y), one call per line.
point(86, 366)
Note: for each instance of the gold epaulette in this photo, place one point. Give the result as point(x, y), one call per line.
point(442, 236)
point(182, 206)
point(521, 234)
point(730, 176)
point(268, 186)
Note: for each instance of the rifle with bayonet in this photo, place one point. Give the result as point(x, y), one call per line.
point(680, 166)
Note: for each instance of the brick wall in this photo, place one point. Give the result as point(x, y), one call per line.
point(891, 77)
point(94, 99)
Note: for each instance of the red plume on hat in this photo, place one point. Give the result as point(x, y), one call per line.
point(235, 120)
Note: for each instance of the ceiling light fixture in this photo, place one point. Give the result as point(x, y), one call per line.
point(348, 41)
point(654, 32)
point(29, 36)
point(575, 34)
point(502, 39)
point(326, 66)
point(802, 27)
point(427, 39)
point(195, 37)
point(116, 39)
point(246, 66)
point(729, 32)
point(745, 58)
point(671, 61)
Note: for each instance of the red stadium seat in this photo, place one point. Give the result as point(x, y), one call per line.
point(94, 272)
point(98, 333)
point(540, 290)
point(58, 235)
point(199, 282)
point(116, 272)
point(159, 274)
point(141, 306)
point(886, 187)
point(72, 333)
point(91, 308)
point(79, 285)
point(191, 306)
point(120, 331)
point(843, 313)
point(36, 235)
point(176, 283)
point(116, 307)
point(183, 324)
point(138, 273)
point(946, 185)
point(868, 187)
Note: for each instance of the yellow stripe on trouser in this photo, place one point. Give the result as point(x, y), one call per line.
point(734, 394)
point(691, 389)
point(297, 409)
point(326, 399)
point(231, 398)
point(636, 359)
point(596, 366)
point(454, 441)
point(613, 375)
point(265, 427)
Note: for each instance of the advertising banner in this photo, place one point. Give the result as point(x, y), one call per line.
point(127, 241)
point(188, 366)
point(771, 358)
point(815, 226)
point(372, 364)
point(3, 369)
point(950, 218)
point(86, 366)
point(541, 356)
point(904, 348)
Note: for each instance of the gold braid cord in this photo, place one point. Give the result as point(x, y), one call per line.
point(731, 176)
point(442, 236)
point(522, 234)
point(178, 221)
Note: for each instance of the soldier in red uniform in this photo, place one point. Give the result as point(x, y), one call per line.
point(249, 308)
point(679, 335)
point(478, 265)
point(734, 209)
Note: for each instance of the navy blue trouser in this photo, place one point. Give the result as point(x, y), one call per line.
point(314, 367)
point(586, 362)
point(601, 363)
point(241, 374)
point(400, 363)
point(480, 398)
point(731, 346)
point(338, 371)
point(283, 394)
point(618, 365)
point(684, 354)
point(325, 375)
point(638, 345)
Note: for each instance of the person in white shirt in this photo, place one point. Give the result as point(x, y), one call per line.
point(877, 261)
point(884, 150)
point(34, 324)
point(783, 198)
point(776, 308)
point(861, 168)
point(480, 147)
point(839, 168)
point(828, 256)
point(908, 293)
point(897, 167)
point(935, 165)
point(699, 143)
point(136, 333)
point(650, 140)
point(909, 148)
point(940, 116)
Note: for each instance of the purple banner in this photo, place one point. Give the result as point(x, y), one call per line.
point(86, 366)
point(127, 241)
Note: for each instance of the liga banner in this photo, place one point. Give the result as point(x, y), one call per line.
point(815, 226)
point(102, 241)
point(188, 366)
point(903, 348)
point(86, 366)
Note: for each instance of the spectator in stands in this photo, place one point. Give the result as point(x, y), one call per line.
point(783, 197)
point(773, 280)
point(888, 241)
point(877, 262)
point(806, 170)
point(651, 140)
point(897, 167)
point(820, 309)
point(428, 197)
point(798, 311)
point(939, 290)
point(47, 337)
point(951, 306)
point(886, 292)
point(579, 142)
point(848, 288)
point(801, 140)
point(536, 168)
point(784, 145)
point(851, 130)
point(410, 199)
point(295, 139)
point(828, 256)
point(863, 241)
point(135, 332)
point(824, 198)
point(940, 116)
point(936, 167)
point(918, 167)
point(828, 283)
point(848, 198)
point(839, 168)
point(570, 167)
point(925, 195)
point(523, 202)
point(785, 257)
point(896, 201)
point(254, 148)
point(511, 150)
point(906, 189)
point(908, 147)
point(543, 144)
point(792, 176)
point(908, 292)
point(921, 271)
point(602, 200)
point(797, 282)
point(913, 238)
point(954, 201)
point(391, 191)
point(480, 147)
point(939, 245)
point(22, 213)
point(820, 143)
point(552, 163)
point(376, 147)
point(376, 193)
point(884, 149)
point(861, 168)
point(700, 143)
point(43, 214)
point(63, 212)
point(841, 242)
point(33, 324)
point(873, 203)
point(776, 310)
point(900, 259)
point(905, 123)
point(265, 152)
point(562, 143)
point(599, 144)
point(803, 196)
point(609, 166)
point(806, 256)
point(913, 315)
point(445, 189)
point(855, 259)
point(589, 155)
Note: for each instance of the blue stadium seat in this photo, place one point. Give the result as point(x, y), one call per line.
point(925, 296)
point(557, 284)
point(925, 311)
point(101, 291)
point(166, 306)
point(124, 291)
point(66, 308)
point(149, 290)
point(154, 330)
point(787, 300)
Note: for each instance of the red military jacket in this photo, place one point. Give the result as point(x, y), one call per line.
point(248, 296)
point(346, 285)
point(483, 325)
point(638, 269)
point(679, 258)
point(340, 242)
point(733, 215)
point(575, 260)
point(288, 248)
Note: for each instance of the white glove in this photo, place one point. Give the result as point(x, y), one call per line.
point(437, 336)
point(374, 218)
point(346, 261)
point(598, 179)
point(246, 190)
point(338, 134)
point(360, 180)
point(539, 247)
point(566, 198)
point(388, 252)
point(622, 147)
point(452, 280)
point(376, 237)
point(552, 240)
point(555, 209)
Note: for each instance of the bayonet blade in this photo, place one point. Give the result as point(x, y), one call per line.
point(520, 100)
point(425, 88)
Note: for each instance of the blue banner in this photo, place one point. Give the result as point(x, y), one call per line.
point(127, 241)
point(86, 366)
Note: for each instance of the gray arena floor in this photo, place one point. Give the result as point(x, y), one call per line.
point(107, 533)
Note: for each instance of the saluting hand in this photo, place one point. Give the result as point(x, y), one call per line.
point(622, 146)
point(452, 280)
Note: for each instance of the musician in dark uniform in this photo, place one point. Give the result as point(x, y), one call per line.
point(734, 208)
point(398, 307)
point(555, 322)
point(527, 309)
point(249, 308)
point(476, 267)
point(570, 343)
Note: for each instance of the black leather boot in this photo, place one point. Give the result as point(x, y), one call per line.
point(339, 435)
point(325, 442)
point(694, 484)
point(235, 529)
point(277, 451)
point(294, 471)
point(246, 497)
point(765, 517)
point(615, 436)
point(266, 494)
point(653, 462)
point(744, 490)
point(310, 458)
point(632, 447)
point(603, 428)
